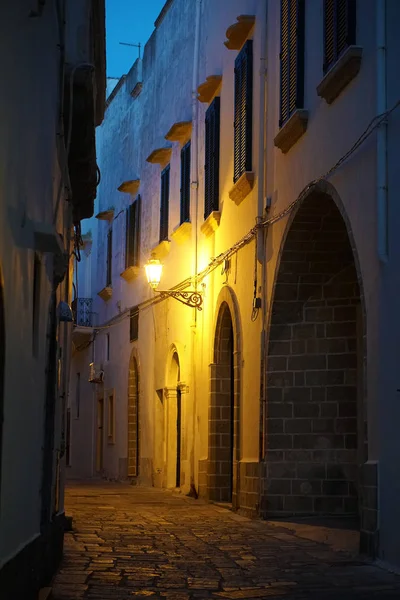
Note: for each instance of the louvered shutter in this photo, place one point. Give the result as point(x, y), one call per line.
point(211, 167)
point(132, 234)
point(339, 29)
point(109, 259)
point(292, 58)
point(243, 110)
point(185, 183)
point(164, 205)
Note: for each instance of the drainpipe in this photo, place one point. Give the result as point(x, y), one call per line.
point(262, 233)
point(195, 202)
point(381, 150)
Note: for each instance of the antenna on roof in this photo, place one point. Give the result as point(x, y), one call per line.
point(139, 45)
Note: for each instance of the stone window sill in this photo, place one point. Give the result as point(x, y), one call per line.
point(211, 224)
point(182, 233)
point(130, 273)
point(238, 33)
point(161, 250)
point(106, 293)
point(340, 75)
point(242, 187)
point(292, 130)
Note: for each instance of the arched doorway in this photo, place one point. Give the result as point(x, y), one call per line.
point(2, 364)
point(133, 418)
point(223, 447)
point(173, 419)
point(316, 416)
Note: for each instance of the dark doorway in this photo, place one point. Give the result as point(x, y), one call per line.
point(2, 365)
point(133, 418)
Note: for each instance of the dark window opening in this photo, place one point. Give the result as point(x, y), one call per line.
point(212, 141)
point(132, 235)
point(185, 183)
point(243, 110)
point(109, 259)
point(292, 58)
point(134, 324)
point(164, 204)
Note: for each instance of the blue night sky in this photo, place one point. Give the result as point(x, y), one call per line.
point(129, 21)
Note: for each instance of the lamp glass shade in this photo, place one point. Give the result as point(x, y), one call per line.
point(153, 269)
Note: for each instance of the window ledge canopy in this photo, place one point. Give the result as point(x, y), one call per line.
point(160, 156)
point(182, 232)
point(130, 273)
point(106, 293)
point(242, 187)
point(106, 215)
point(131, 186)
point(340, 74)
point(238, 33)
point(162, 249)
point(179, 132)
point(292, 130)
point(207, 90)
point(211, 224)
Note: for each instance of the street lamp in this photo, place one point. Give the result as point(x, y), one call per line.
point(153, 269)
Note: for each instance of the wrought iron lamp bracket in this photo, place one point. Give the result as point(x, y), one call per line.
point(192, 299)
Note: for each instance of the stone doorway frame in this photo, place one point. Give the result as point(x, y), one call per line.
point(220, 379)
point(133, 413)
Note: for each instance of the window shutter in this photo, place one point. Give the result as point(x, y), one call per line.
point(134, 324)
point(243, 110)
point(132, 234)
point(185, 183)
point(211, 184)
point(109, 258)
point(292, 58)
point(164, 205)
point(339, 29)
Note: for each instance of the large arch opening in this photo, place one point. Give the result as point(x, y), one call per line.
point(316, 416)
point(133, 418)
point(173, 418)
point(224, 412)
point(2, 365)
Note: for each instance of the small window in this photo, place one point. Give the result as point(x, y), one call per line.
point(211, 167)
point(132, 234)
point(292, 58)
point(243, 110)
point(107, 348)
point(185, 183)
point(111, 419)
point(109, 259)
point(134, 324)
point(164, 204)
point(339, 29)
point(37, 273)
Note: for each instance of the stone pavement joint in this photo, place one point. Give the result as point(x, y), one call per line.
point(132, 543)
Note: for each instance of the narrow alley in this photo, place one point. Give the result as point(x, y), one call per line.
point(135, 542)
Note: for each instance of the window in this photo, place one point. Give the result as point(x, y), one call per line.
point(292, 58)
point(109, 259)
point(211, 191)
point(339, 29)
point(111, 418)
point(185, 183)
point(132, 234)
point(37, 272)
point(243, 110)
point(134, 324)
point(107, 352)
point(164, 205)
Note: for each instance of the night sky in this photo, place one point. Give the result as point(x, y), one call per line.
point(129, 21)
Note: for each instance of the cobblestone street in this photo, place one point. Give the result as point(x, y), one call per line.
point(132, 543)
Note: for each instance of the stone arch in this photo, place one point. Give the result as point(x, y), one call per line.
point(224, 409)
point(316, 410)
point(2, 363)
point(174, 416)
point(134, 416)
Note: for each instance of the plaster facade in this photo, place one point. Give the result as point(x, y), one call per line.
point(39, 42)
point(287, 409)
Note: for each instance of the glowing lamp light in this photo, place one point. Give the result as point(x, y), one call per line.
point(153, 269)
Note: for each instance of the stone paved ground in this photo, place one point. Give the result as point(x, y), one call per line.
point(133, 543)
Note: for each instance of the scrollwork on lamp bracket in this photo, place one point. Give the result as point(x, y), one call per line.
point(192, 299)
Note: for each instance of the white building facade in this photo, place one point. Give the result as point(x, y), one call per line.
point(53, 63)
point(261, 173)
